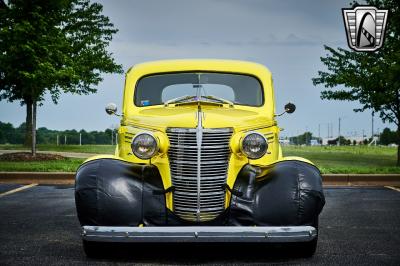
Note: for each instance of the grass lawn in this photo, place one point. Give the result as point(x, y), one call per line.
point(348, 159)
point(101, 149)
point(344, 159)
point(66, 165)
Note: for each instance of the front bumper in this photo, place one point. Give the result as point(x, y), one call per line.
point(199, 234)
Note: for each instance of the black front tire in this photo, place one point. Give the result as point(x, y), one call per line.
point(307, 249)
point(93, 249)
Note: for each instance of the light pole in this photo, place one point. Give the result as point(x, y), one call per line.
point(328, 131)
point(340, 120)
point(339, 132)
point(372, 125)
point(319, 131)
point(306, 135)
point(363, 134)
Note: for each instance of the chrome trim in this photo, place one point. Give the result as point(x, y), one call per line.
point(198, 159)
point(199, 141)
point(199, 234)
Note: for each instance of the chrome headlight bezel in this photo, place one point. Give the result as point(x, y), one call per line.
point(245, 150)
point(155, 149)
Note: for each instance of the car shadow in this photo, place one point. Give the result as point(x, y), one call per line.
point(195, 253)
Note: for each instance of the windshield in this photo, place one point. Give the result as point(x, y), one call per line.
point(161, 88)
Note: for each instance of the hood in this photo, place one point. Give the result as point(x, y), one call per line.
point(186, 117)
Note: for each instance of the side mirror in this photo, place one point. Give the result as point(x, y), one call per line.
point(290, 108)
point(111, 109)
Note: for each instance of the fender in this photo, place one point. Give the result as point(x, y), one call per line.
point(289, 194)
point(110, 191)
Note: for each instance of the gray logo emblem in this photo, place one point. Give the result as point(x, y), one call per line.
point(365, 27)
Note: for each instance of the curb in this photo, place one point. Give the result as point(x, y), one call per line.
point(55, 178)
point(361, 179)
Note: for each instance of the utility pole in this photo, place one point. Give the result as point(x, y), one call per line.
point(65, 139)
point(80, 139)
point(58, 140)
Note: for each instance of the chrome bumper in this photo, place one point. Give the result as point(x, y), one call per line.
point(199, 234)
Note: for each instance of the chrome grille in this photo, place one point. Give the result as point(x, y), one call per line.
point(194, 199)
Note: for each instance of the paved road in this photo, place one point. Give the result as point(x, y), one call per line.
point(358, 226)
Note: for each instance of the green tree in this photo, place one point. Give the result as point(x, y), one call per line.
point(387, 137)
point(302, 139)
point(7, 131)
point(53, 47)
point(371, 78)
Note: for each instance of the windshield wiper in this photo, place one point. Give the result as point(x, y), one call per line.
point(187, 98)
point(179, 99)
point(215, 98)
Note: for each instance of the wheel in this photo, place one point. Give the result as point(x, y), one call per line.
point(307, 249)
point(92, 249)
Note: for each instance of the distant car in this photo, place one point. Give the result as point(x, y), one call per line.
point(198, 160)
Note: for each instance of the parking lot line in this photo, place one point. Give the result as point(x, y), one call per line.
point(17, 190)
point(394, 188)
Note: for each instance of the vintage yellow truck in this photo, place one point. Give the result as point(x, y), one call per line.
point(198, 160)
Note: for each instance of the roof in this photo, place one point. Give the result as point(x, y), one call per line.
point(234, 66)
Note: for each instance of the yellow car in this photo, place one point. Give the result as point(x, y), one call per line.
point(198, 160)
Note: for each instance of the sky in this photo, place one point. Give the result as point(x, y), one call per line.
point(287, 36)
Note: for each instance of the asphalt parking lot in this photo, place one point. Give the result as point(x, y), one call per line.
point(38, 225)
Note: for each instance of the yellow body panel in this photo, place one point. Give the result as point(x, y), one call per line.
point(242, 119)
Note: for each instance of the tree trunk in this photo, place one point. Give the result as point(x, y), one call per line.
point(398, 145)
point(33, 147)
point(28, 124)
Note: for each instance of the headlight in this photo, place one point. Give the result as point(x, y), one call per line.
point(254, 145)
point(144, 146)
